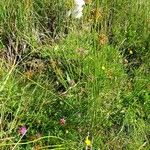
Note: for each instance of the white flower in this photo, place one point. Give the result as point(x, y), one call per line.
point(77, 11)
point(79, 3)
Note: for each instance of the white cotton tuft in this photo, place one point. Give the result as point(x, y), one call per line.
point(77, 11)
point(79, 3)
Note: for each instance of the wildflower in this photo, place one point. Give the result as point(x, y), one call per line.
point(87, 141)
point(131, 52)
point(103, 68)
point(67, 131)
point(77, 11)
point(22, 130)
point(62, 121)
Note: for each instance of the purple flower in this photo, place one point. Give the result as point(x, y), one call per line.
point(23, 130)
point(62, 121)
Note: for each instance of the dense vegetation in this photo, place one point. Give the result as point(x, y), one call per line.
point(69, 83)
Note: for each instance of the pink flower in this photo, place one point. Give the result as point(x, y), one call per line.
point(22, 130)
point(62, 121)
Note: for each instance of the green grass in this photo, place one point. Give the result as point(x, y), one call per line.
point(93, 72)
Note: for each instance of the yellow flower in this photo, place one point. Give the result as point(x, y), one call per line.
point(87, 141)
point(131, 52)
point(103, 68)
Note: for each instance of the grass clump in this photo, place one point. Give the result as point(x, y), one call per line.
point(71, 83)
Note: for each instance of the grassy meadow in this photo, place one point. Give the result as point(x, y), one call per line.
point(69, 83)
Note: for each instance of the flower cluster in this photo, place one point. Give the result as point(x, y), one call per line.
point(22, 130)
point(62, 121)
point(87, 141)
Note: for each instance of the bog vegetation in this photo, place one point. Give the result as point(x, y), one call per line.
point(74, 83)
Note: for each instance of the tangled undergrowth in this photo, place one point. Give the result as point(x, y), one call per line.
point(74, 83)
